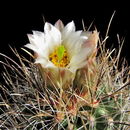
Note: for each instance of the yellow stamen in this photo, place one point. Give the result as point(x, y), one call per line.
point(53, 57)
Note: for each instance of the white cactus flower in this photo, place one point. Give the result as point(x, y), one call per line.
point(61, 50)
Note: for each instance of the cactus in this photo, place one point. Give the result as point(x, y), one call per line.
point(97, 99)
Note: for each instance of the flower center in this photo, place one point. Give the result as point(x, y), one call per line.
point(59, 57)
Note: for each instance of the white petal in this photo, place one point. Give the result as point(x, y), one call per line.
point(38, 33)
point(31, 39)
point(38, 51)
point(73, 43)
point(52, 36)
point(87, 48)
point(47, 27)
point(32, 47)
point(69, 28)
point(59, 25)
point(37, 43)
point(44, 62)
point(39, 38)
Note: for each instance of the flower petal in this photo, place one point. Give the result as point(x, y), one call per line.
point(45, 63)
point(92, 40)
point(52, 36)
point(87, 48)
point(59, 25)
point(69, 28)
point(73, 43)
point(38, 44)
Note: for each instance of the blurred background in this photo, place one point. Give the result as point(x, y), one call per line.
point(20, 18)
